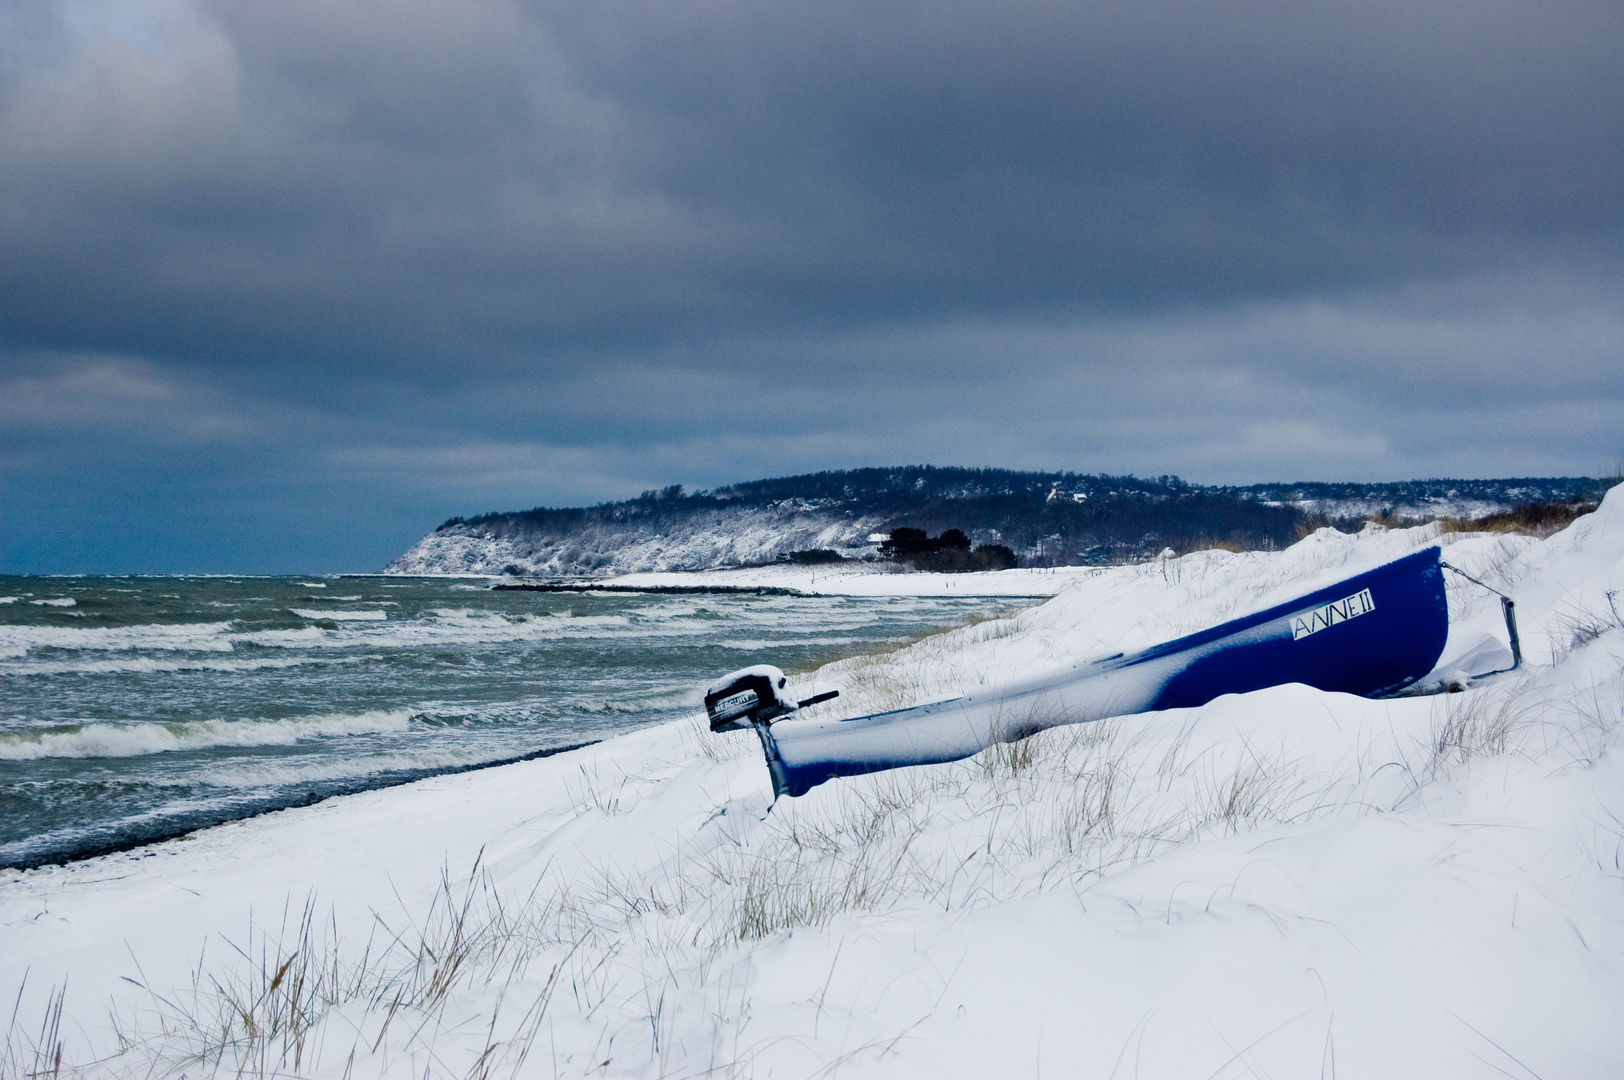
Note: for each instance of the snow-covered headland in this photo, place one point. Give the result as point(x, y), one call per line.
point(1046, 519)
point(721, 538)
point(1282, 883)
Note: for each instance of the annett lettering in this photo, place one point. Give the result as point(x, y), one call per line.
point(1312, 622)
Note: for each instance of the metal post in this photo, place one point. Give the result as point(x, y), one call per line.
point(1510, 609)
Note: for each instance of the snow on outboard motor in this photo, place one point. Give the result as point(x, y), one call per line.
point(754, 697)
point(1372, 634)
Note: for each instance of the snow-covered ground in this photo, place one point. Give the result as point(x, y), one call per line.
point(842, 579)
point(1283, 883)
point(1417, 509)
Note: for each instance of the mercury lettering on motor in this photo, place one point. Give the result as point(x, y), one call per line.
point(1349, 607)
point(737, 705)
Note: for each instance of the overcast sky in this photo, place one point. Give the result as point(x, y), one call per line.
point(285, 283)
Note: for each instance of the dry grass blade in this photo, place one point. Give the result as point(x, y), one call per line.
point(1474, 723)
point(1574, 626)
point(40, 1055)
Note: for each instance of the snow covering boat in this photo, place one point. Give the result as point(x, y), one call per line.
point(1372, 634)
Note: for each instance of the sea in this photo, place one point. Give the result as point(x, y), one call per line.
point(134, 709)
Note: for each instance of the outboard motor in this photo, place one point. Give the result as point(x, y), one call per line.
point(752, 695)
point(753, 698)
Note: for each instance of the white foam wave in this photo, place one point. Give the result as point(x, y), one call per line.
point(59, 601)
point(683, 697)
point(477, 614)
point(258, 774)
point(152, 664)
point(304, 637)
point(188, 637)
point(337, 615)
point(138, 740)
point(757, 646)
point(476, 624)
point(9, 599)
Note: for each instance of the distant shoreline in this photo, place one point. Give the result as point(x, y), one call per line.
point(757, 590)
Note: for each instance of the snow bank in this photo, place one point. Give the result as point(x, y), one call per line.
point(1282, 883)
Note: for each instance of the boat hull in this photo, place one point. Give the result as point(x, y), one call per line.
point(1371, 634)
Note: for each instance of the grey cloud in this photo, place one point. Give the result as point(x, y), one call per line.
point(422, 176)
point(1302, 389)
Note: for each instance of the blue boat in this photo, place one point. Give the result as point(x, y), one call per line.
point(1372, 634)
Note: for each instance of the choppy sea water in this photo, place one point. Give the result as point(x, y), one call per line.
point(136, 708)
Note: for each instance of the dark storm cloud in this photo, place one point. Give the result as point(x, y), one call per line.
point(387, 176)
point(522, 252)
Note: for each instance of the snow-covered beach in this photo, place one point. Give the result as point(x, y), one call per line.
point(1281, 883)
point(844, 579)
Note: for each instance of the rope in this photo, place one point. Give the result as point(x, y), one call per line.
point(1508, 608)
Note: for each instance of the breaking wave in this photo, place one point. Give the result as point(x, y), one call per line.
point(189, 637)
point(757, 646)
point(154, 664)
point(339, 615)
point(137, 740)
point(304, 771)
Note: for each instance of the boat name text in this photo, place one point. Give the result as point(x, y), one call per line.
point(1338, 611)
